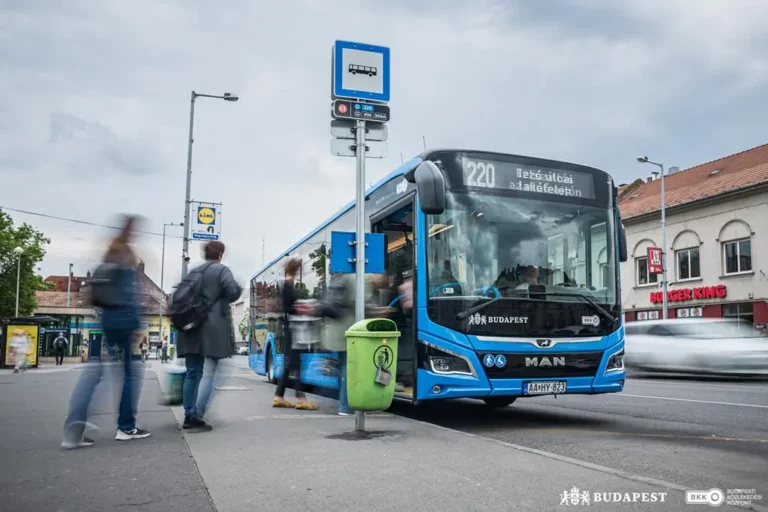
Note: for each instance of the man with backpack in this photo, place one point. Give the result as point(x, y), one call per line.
point(60, 347)
point(202, 314)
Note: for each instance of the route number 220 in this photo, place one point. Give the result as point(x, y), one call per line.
point(479, 174)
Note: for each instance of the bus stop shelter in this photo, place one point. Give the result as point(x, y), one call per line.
point(29, 327)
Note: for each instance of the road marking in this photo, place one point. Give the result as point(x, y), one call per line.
point(692, 400)
point(759, 386)
point(310, 416)
point(712, 437)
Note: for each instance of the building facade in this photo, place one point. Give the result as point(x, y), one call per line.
point(717, 242)
point(81, 323)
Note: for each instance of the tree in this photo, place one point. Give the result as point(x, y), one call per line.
point(33, 243)
point(319, 257)
point(243, 327)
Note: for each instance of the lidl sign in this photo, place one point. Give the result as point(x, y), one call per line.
point(208, 223)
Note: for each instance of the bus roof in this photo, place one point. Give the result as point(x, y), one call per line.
point(402, 169)
point(399, 171)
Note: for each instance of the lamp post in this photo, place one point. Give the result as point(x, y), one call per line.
point(185, 249)
point(18, 252)
point(644, 160)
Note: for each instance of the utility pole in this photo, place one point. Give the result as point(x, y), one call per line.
point(69, 283)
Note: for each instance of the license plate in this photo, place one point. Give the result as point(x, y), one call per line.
point(545, 388)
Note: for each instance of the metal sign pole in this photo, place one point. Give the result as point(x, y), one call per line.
point(360, 244)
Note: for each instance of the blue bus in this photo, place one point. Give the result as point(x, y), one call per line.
point(514, 263)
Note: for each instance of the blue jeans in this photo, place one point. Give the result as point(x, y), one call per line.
point(194, 364)
point(207, 386)
point(91, 375)
point(343, 403)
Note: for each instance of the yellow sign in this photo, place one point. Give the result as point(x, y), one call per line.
point(22, 342)
point(206, 215)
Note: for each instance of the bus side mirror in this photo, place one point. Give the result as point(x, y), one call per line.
point(430, 185)
point(623, 253)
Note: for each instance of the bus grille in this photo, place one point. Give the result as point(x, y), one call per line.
point(545, 365)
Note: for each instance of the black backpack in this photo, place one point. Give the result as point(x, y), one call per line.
point(106, 292)
point(188, 310)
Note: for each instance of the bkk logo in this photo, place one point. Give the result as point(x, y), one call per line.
point(478, 319)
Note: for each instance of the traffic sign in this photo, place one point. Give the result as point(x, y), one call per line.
point(206, 220)
point(360, 71)
point(347, 147)
point(344, 109)
point(343, 252)
point(345, 129)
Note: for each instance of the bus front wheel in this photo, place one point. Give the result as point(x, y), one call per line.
point(499, 401)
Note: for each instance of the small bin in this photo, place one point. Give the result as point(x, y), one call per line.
point(174, 385)
point(371, 364)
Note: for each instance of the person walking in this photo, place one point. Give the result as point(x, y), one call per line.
point(120, 321)
point(144, 348)
point(165, 350)
point(60, 347)
point(292, 360)
point(204, 346)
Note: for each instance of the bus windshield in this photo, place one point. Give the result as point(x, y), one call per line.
point(539, 255)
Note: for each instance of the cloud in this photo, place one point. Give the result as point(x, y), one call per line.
point(94, 101)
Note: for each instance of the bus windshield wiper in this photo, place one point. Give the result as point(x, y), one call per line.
point(475, 309)
point(588, 300)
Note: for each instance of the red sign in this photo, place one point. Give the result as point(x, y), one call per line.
point(684, 294)
point(654, 261)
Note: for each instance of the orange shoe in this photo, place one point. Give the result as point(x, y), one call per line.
point(281, 402)
point(307, 406)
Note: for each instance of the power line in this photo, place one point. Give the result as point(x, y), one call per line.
point(45, 215)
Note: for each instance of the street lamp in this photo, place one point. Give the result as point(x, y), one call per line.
point(18, 252)
point(644, 160)
point(185, 250)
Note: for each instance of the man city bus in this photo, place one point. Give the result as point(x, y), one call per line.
point(515, 269)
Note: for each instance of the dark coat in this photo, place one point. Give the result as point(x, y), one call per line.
point(216, 337)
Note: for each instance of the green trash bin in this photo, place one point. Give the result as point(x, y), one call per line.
point(371, 364)
point(174, 385)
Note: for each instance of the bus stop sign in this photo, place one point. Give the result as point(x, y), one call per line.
point(343, 253)
point(360, 71)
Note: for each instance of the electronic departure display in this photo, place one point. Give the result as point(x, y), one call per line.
point(497, 174)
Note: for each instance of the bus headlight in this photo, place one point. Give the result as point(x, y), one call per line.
point(446, 363)
point(615, 362)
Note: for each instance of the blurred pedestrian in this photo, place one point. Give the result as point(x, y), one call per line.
point(19, 343)
point(144, 348)
point(203, 346)
point(338, 305)
point(120, 321)
point(59, 347)
point(292, 359)
point(165, 350)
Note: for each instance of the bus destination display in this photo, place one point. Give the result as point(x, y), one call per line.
point(483, 173)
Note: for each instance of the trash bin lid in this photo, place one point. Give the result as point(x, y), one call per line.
point(374, 328)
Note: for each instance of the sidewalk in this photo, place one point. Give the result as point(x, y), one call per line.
point(260, 458)
point(153, 474)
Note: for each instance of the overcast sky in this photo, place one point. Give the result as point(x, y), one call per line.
point(94, 102)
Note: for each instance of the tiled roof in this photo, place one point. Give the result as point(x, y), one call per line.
point(59, 299)
point(733, 172)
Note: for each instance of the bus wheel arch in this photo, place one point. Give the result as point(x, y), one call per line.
point(270, 366)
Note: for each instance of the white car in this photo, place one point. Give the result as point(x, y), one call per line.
point(699, 346)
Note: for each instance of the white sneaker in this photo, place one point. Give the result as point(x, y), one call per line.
point(85, 441)
point(127, 435)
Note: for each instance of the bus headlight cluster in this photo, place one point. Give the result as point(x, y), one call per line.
point(445, 363)
point(616, 362)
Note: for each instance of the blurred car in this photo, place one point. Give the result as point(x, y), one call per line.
point(242, 351)
point(698, 346)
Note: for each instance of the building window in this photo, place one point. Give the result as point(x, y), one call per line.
point(643, 277)
point(688, 266)
point(742, 312)
point(737, 256)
